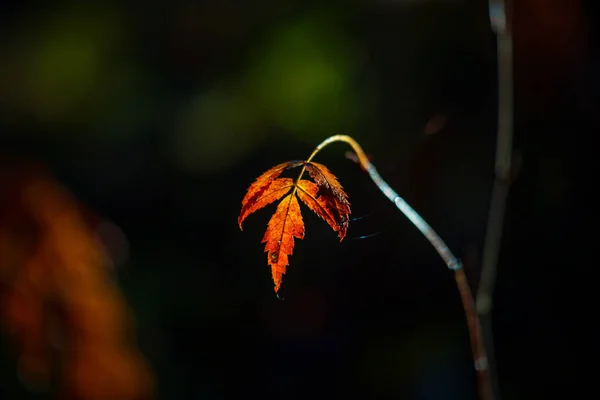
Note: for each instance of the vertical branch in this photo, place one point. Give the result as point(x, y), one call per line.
point(477, 344)
point(503, 169)
point(480, 356)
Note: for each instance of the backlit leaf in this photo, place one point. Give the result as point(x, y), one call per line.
point(332, 195)
point(285, 225)
point(325, 197)
point(255, 198)
point(307, 192)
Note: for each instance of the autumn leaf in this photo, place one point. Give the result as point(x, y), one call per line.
point(285, 225)
point(325, 197)
point(262, 192)
point(308, 192)
point(332, 196)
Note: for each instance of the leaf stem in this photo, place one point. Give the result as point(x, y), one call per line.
point(477, 346)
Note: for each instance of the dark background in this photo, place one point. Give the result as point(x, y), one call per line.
point(158, 115)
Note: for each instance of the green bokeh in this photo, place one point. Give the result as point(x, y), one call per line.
point(67, 66)
point(302, 78)
point(213, 131)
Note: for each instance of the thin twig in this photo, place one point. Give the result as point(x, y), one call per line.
point(495, 224)
point(477, 345)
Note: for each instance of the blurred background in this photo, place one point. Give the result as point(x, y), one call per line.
point(158, 115)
